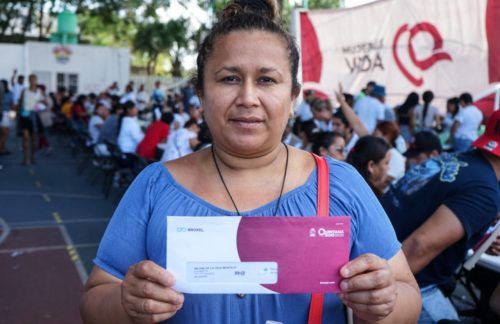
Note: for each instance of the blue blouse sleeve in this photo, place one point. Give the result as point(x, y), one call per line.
point(371, 230)
point(124, 241)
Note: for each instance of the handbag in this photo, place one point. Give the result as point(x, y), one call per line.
point(323, 210)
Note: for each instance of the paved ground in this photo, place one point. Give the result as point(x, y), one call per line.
point(55, 219)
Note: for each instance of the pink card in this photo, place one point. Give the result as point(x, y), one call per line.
point(257, 254)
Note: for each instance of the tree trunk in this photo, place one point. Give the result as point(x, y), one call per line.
point(8, 16)
point(29, 19)
point(40, 22)
point(177, 66)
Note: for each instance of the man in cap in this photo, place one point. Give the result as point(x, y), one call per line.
point(371, 109)
point(425, 145)
point(440, 209)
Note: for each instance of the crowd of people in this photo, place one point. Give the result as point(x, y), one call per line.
point(432, 179)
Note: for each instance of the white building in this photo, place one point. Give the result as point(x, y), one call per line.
point(82, 68)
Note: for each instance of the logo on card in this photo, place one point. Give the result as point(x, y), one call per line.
point(188, 229)
point(322, 232)
point(491, 145)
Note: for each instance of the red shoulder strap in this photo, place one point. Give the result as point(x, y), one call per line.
point(323, 210)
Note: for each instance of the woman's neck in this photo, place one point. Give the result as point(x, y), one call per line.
point(234, 162)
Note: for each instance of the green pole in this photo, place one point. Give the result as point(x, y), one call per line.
point(305, 4)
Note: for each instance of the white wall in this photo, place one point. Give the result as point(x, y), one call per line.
point(97, 67)
point(11, 57)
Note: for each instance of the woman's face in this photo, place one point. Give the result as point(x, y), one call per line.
point(336, 150)
point(247, 94)
point(378, 172)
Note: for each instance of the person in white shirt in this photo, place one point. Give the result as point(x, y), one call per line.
point(129, 95)
point(17, 87)
point(142, 98)
point(114, 90)
point(304, 108)
point(130, 133)
point(466, 124)
point(28, 123)
point(426, 115)
point(182, 141)
point(101, 113)
point(371, 109)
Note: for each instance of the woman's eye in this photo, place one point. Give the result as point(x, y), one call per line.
point(230, 79)
point(266, 80)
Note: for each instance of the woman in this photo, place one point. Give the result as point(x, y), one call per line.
point(129, 130)
point(426, 115)
point(247, 104)
point(371, 156)
point(28, 122)
point(405, 116)
point(397, 164)
point(5, 119)
point(329, 144)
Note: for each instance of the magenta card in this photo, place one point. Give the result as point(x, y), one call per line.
point(309, 251)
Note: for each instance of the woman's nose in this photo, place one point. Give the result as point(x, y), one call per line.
point(248, 95)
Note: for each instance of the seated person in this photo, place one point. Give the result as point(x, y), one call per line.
point(156, 133)
point(96, 122)
point(182, 142)
point(322, 121)
point(329, 144)
point(440, 209)
point(371, 156)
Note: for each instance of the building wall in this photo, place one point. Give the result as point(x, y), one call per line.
point(11, 57)
point(97, 67)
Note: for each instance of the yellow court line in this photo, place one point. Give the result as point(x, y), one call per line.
point(57, 217)
point(46, 197)
point(38, 184)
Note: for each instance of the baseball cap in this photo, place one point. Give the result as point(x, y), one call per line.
point(378, 91)
point(490, 140)
point(423, 142)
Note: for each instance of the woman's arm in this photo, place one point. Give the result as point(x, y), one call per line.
point(381, 291)
point(353, 119)
point(144, 296)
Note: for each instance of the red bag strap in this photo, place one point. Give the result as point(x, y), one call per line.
point(323, 210)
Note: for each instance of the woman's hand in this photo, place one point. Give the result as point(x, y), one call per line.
point(147, 296)
point(369, 287)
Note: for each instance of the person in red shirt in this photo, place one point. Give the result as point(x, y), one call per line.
point(156, 133)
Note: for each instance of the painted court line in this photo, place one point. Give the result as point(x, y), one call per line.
point(53, 194)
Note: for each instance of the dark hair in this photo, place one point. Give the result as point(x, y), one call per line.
point(466, 97)
point(340, 115)
point(324, 139)
point(368, 148)
point(190, 123)
point(427, 97)
point(127, 106)
point(248, 15)
point(403, 111)
point(5, 85)
point(167, 117)
point(454, 101)
point(389, 129)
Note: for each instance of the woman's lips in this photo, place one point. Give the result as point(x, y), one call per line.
point(250, 122)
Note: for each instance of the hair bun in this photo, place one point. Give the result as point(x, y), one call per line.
point(268, 8)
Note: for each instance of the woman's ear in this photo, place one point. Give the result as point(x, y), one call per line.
point(371, 167)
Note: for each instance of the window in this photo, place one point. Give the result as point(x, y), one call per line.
point(68, 81)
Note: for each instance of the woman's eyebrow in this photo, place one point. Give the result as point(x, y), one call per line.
point(228, 68)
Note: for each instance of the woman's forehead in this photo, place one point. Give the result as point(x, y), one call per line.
point(250, 49)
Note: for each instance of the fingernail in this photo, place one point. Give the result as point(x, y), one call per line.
point(345, 272)
point(344, 285)
point(180, 298)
